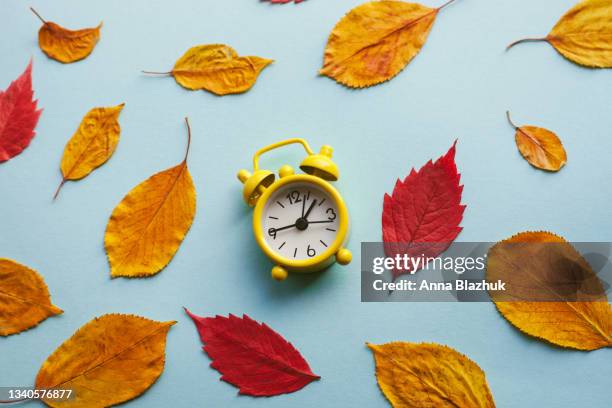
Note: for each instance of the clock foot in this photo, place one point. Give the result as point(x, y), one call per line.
point(279, 273)
point(344, 256)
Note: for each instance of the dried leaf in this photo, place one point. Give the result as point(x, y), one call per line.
point(18, 116)
point(252, 356)
point(149, 224)
point(112, 359)
point(66, 45)
point(92, 144)
point(583, 35)
point(216, 68)
point(540, 147)
point(583, 325)
point(376, 40)
point(429, 375)
point(24, 298)
point(424, 211)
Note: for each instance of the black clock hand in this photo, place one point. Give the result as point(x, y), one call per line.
point(275, 230)
point(320, 222)
point(303, 204)
point(309, 209)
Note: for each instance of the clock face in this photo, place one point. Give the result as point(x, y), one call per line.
point(300, 221)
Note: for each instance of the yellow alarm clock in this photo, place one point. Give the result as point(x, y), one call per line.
point(300, 221)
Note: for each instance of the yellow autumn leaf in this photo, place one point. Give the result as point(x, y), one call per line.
point(429, 375)
point(539, 267)
point(376, 40)
point(66, 45)
point(112, 359)
point(583, 35)
point(92, 144)
point(540, 147)
point(24, 298)
point(149, 224)
point(216, 68)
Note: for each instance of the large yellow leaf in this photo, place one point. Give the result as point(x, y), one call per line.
point(149, 224)
point(429, 375)
point(66, 45)
point(24, 298)
point(540, 267)
point(112, 359)
point(92, 144)
point(540, 147)
point(376, 40)
point(216, 68)
point(584, 34)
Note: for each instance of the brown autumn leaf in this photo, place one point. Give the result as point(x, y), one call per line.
point(539, 267)
point(540, 147)
point(92, 144)
point(64, 45)
point(429, 375)
point(216, 68)
point(149, 224)
point(583, 35)
point(112, 359)
point(24, 298)
point(376, 40)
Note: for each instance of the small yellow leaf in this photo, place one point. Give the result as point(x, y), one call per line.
point(65, 45)
point(540, 147)
point(92, 144)
point(216, 68)
point(376, 40)
point(112, 359)
point(149, 224)
point(24, 298)
point(550, 268)
point(429, 375)
point(584, 34)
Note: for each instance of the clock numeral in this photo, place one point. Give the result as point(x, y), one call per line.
point(294, 197)
point(331, 214)
point(272, 232)
point(310, 251)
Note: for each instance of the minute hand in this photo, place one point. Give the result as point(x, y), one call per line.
point(320, 222)
point(309, 209)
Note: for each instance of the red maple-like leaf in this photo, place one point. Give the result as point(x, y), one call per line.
point(422, 216)
point(252, 356)
point(18, 116)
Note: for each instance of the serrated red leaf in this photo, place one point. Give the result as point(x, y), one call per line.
point(424, 212)
point(252, 356)
point(18, 116)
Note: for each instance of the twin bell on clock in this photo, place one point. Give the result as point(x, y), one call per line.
point(300, 221)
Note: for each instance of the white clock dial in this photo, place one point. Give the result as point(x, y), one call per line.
point(300, 221)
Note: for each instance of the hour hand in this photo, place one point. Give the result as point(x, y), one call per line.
point(309, 209)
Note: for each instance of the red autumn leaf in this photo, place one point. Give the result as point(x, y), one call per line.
point(18, 116)
point(424, 212)
point(252, 356)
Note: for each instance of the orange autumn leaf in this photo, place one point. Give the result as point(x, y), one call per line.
point(66, 45)
point(112, 359)
point(149, 224)
point(24, 298)
point(429, 375)
point(540, 147)
point(92, 144)
point(216, 68)
point(376, 40)
point(540, 266)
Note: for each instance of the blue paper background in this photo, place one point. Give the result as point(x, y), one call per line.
point(459, 86)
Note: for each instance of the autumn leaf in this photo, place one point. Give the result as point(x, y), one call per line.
point(112, 359)
point(64, 45)
point(423, 213)
point(149, 224)
point(540, 147)
point(18, 116)
point(535, 271)
point(92, 144)
point(24, 298)
point(376, 40)
point(583, 35)
point(252, 356)
point(216, 68)
point(429, 375)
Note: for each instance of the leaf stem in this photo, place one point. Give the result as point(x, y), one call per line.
point(188, 139)
point(59, 188)
point(16, 400)
point(38, 15)
point(525, 40)
point(156, 73)
point(510, 120)
point(446, 4)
